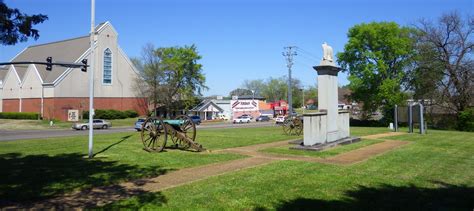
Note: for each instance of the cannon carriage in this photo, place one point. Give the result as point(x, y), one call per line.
point(181, 131)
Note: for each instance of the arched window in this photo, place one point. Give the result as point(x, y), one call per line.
point(107, 77)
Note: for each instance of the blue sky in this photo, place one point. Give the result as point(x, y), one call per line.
point(238, 40)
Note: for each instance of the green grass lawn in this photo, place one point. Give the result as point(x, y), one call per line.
point(233, 137)
point(323, 154)
point(355, 131)
point(36, 169)
point(434, 172)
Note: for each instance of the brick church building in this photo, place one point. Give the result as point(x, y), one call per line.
point(32, 88)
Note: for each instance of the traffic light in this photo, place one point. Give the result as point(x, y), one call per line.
point(84, 68)
point(49, 66)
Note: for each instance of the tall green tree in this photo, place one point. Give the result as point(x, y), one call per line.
point(16, 26)
point(377, 56)
point(275, 89)
point(171, 76)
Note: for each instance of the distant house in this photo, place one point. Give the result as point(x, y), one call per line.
point(225, 106)
point(32, 88)
point(207, 110)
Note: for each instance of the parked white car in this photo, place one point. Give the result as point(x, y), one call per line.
point(280, 119)
point(241, 119)
point(96, 123)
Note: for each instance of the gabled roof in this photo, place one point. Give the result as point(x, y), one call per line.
point(204, 104)
point(69, 50)
point(62, 51)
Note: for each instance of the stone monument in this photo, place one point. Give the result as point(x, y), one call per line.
point(329, 126)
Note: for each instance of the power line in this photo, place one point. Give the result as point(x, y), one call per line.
point(290, 52)
point(304, 64)
point(307, 53)
point(311, 59)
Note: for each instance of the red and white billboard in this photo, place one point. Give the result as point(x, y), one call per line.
point(244, 105)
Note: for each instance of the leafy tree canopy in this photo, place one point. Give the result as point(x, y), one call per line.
point(240, 92)
point(377, 56)
point(274, 89)
point(16, 26)
point(171, 76)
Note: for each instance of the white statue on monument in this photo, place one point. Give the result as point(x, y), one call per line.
point(328, 58)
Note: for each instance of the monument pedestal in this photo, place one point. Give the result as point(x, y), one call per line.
point(330, 126)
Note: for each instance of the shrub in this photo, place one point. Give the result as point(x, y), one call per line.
point(131, 113)
point(111, 114)
point(19, 115)
point(441, 121)
point(466, 120)
point(367, 123)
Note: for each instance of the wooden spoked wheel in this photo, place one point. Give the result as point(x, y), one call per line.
point(293, 126)
point(154, 134)
point(187, 129)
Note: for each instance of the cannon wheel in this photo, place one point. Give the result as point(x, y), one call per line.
point(188, 129)
point(293, 126)
point(154, 134)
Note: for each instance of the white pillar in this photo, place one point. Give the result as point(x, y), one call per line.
point(328, 98)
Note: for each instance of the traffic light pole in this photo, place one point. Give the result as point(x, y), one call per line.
point(91, 81)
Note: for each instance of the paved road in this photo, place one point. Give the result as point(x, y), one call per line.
point(11, 135)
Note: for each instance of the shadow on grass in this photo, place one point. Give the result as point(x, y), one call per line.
point(137, 202)
point(387, 197)
point(26, 179)
point(110, 146)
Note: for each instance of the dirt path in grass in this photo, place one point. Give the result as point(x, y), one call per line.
point(103, 195)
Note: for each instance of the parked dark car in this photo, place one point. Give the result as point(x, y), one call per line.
point(262, 119)
point(138, 124)
point(196, 119)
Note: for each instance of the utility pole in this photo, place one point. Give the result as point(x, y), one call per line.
point(288, 54)
point(91, 81)
point(304, 104)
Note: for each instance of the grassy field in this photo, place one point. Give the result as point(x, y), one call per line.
point(48, 167)
point(434, 172)
point(36, 169)
point(355, 131)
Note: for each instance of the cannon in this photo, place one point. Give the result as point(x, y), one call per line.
point(181, 131)
point(293, 125)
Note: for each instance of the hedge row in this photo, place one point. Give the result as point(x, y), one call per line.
point(111, 114)
point(367, 123)
point(466, 120)
point(19, 115)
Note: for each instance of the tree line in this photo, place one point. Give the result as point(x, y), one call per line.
point(274, 89)
point(430, 61)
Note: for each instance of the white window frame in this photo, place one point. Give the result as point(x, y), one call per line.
point(111, 67)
